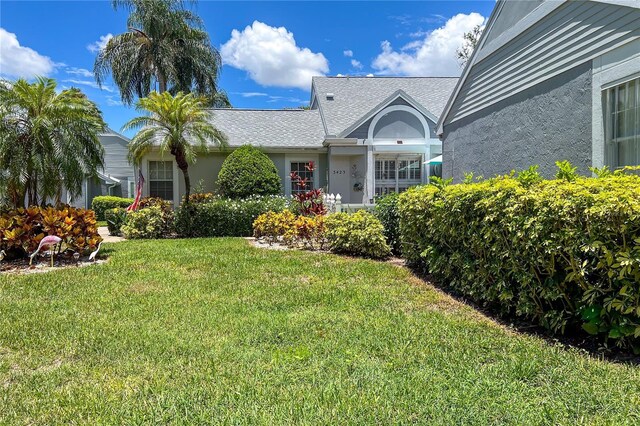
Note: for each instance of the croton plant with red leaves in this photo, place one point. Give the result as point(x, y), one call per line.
point(307, 202)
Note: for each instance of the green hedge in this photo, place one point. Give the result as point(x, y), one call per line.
point(102, 203)
point(358, 234)
point(223, 217)
point(115, 218)
point(386, 210)
point(151, 222)
point(565, 254)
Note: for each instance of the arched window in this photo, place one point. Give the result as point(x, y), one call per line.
point(395, 172)
point(398, 125)
point(398, 122)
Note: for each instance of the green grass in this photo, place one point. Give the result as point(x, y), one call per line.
point(101, 223)
point(213, 331)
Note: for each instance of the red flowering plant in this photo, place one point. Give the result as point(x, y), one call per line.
point(307, 202)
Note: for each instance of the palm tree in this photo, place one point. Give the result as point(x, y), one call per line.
point(178, 124)
point(48, 141)
point(166, 46)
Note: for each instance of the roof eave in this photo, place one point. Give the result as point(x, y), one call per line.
point(518, 29)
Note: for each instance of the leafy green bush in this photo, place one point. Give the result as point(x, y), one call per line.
point(148, 223)
point(102, 203)
point(248, 171)
point(564, 253)
point(386, 211)
point(115, 219)
point(359, 234)
point(223, 217)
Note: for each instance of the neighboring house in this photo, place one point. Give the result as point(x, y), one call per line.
point(366, 135)
point(550, 80)
point(117, 177)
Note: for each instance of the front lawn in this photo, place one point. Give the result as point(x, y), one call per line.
point(215, 331)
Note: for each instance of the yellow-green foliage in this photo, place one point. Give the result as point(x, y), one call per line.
point(22, 229)
point(148, 223)
point(360, 234)
point(102, 203)
point(564, 253)
point(271, 225)
point(308, 232)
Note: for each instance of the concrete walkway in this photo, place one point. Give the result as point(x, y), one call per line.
point(104, 233)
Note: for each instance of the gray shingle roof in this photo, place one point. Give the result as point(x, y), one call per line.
point(270, 128)
point(354, 97)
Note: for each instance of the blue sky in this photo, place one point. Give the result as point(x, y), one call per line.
point(270, 49)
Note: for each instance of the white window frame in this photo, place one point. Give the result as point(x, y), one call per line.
point(300, 159)
point(611, 140)
point(397, 183)
point(608, 70)
point(174, 185)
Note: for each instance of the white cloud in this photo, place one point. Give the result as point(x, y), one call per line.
point(272, 58)
point(348, 53)
point(356, 64)
point(89, 83)
point(250, 94)
point(285, 99)
point(21, 61)
point(97, 46)
point(112, 101)
point(79, 71)
point(435, 55)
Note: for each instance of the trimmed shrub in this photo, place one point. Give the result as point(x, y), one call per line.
point(115, 219)
point(148, 223)
point(359, 234)
point(223, 217)
point(22, 229)
point(248, 171)
point(564, 253)
point(386, 210)
point(102, 203)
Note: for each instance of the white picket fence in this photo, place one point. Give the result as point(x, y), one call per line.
point(334, 205)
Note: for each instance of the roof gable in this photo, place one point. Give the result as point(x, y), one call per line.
point(398, 94)
point(357, 97)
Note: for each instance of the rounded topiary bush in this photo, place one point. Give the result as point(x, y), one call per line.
point(248, 171)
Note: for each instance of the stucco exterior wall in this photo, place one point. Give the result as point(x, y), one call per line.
point(207, 167)
point(546, 123)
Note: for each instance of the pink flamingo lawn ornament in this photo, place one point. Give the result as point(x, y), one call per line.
point(49, 240)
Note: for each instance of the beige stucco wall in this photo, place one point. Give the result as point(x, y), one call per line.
point(207, 167)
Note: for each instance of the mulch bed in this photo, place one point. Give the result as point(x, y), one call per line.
point(43, 264)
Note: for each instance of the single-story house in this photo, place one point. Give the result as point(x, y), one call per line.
point(117, 176)
point(550, 80)
point(367, 136)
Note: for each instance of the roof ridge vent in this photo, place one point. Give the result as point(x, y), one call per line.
point(330, 96)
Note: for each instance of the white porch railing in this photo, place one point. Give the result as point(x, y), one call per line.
point(334, 204)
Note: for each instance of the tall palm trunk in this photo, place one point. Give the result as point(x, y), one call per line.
point(183, 165)
point(162, 82)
